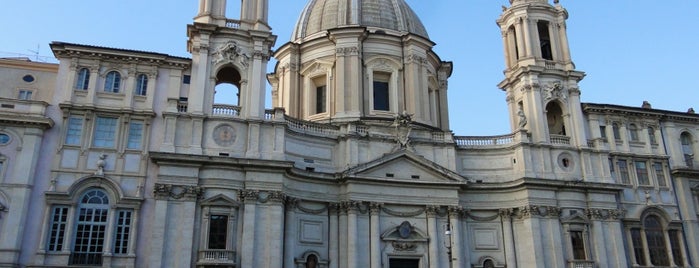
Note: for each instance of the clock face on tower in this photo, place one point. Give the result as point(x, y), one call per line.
point(224, 135)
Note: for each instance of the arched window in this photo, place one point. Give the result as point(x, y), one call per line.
point(90, 228)
point(651, 136)
point(141, 84)
point(615, 130)
point(656, 241)
point(312, 261)
point(687, 150)
point(554, 115)
point(112, 82)
point(633, 132)
point(227, 92)
point(488, 264)
point(657, 232)
point(83, 79)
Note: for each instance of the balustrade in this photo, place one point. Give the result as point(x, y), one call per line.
point(560, 139)
point(226, 110)
point(235, 24)
point(581, 264)
point(483, 141)
point(216, 256)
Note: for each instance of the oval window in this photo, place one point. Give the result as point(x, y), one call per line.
point(4, 138)
point(28, 78)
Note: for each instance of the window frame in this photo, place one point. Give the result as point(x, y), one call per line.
point(83, 79)
point(133, 142)
point(109, 139)
point(616, 131)
point(633, 132)
point(25, 94)
point(638, 236)
point(78, 131)
point(112, 82)
point(141, 88)
point(389, 69)
point(660, 174)
point(93, 219)
point(624, 174)
point(642, 173)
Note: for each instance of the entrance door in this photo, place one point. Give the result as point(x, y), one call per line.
point(404, 263)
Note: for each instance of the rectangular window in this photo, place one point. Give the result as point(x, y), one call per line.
point(186, 79)
point(638, 251)
point(381, 98)
point(642, 173)
point(675, 247)
point(105, 132)
point(123, 231)
point(603, 132)
point(623, 172)
point(25, 95)
point(320, 99)
point(578, 245)
point(57, 228)
point(544, 40)
point(218, 229)
point(74, 132)
point(612, 170)
point(660, 174)
point(135, 135)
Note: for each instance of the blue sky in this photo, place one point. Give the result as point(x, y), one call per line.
point(631, 50)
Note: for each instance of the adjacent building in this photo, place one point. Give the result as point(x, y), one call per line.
point(124, 158)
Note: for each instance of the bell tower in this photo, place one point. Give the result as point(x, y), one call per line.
point(541, 82)
point(229, 52)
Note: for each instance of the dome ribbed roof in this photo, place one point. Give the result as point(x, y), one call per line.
point(321, 15)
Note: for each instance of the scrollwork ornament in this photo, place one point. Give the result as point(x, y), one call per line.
point(432, 211)
point(403, 246)
point(507, 213)
point(249, 195)
point(375, 208)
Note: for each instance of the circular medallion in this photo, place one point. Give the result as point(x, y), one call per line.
point(224, 135)
point(405, 229)
point(4, 139)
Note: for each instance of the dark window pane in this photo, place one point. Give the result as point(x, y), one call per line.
point(218, 225)
point(578, 244)
point(381, 101)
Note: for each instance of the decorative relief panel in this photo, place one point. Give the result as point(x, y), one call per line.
point(177, 192)
point(224, 135)
point(311, 232)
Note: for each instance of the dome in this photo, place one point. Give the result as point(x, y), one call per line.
point(321, 15)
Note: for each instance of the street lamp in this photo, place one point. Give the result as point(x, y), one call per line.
point(447, 241)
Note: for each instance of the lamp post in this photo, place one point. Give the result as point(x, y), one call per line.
point(447, 241)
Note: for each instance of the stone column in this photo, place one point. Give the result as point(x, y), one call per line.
point(455, 222)
point(352, 257)
point(290, 230)
point(109, 238)
point(274, 224)
point(160, 218)
point(434, 234)
point(555, 47)
point(522, 39)
point(129, 87)
point(508, 237)
point(375, 234)
point(562, 33)
point(199, 76)
point(342, 227)
point(333, 236)
point(92, 84)
point(247, 250)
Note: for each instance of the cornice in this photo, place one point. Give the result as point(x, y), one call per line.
point(68, 50)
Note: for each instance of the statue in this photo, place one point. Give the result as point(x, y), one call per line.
point(230, 52)
point(522, 118)
point(100, 164)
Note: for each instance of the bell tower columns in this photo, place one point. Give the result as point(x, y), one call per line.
point(541, 82)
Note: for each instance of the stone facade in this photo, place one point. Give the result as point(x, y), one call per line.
point(122, 158)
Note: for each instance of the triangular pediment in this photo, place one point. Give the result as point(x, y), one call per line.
point(220, 201)
point(577, 218)
point(404, 165)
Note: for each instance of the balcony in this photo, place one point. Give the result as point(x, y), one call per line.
point(560, 139)
point(226, 110)
point(221, 257)
point(581, 264)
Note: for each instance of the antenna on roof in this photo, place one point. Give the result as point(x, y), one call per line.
point(36, 52)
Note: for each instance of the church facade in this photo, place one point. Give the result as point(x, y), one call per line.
point(124, 158)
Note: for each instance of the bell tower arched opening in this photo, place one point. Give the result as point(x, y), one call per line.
point(554, 116)
point(227, 91)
